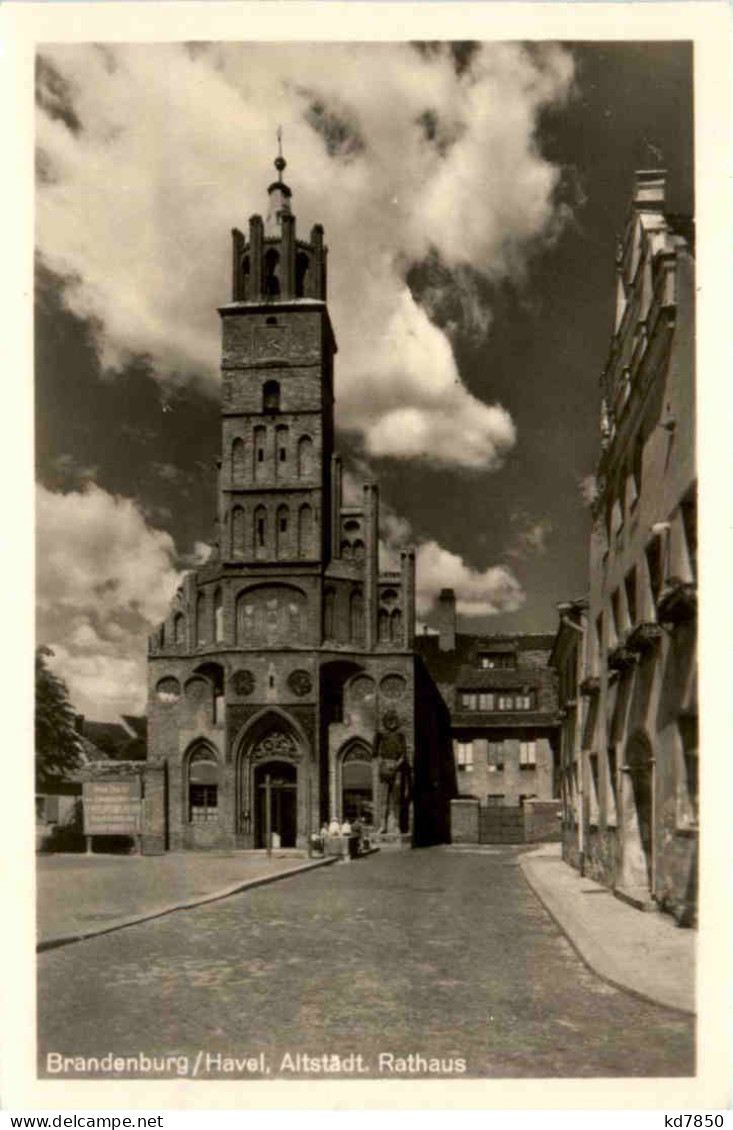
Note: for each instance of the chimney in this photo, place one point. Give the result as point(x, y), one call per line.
point(649, 186)
point(447, 619)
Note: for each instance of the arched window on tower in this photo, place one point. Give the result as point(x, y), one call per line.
point(395, 626)
point(260, 451)
point(271, 396)
point(238, 532)
point(305, 457)
point(202, 635)
point(305, 531)
point(282, 532)
point(302, 264)
point(281, 446)
point(179, 628)
point(245, 278)
point(383, 625)
point(359, 550)
point(260, 532)
point(329, 614)
point(218, 616)
point(238, 462)
point(356, 617)
point(272, 273)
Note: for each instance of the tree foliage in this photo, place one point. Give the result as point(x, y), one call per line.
point(58, 747)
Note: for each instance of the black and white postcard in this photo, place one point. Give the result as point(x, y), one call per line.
point(369, 358)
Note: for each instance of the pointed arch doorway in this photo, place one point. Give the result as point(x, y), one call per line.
point(273, 782)
point(276, 804)
point(357, 783)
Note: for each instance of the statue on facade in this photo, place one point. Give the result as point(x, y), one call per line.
point(394, 770)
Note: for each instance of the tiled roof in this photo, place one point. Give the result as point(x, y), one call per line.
point(107, 735)
point(89, 751)
point(473, 678)
point(138, 723)
point(445, 666)
point(117, 741)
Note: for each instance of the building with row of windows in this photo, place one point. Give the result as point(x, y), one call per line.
point(502, 700)
point(626, 654)
point(284, 688)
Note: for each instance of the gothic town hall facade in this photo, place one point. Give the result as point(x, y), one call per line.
point(285, 672)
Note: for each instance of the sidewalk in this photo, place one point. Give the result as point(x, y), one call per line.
point(78, 896)
point(646, 954)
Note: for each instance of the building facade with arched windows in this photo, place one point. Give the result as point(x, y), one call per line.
point(286, 666)
point(627, 653)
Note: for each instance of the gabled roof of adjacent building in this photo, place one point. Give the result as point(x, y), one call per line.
point(449, 666)
point(117, 741)
point(138, 724)
point(477, 678)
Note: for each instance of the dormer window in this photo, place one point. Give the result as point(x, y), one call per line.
point(497, 660)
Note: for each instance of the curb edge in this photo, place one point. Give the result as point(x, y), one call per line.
point(226, 892)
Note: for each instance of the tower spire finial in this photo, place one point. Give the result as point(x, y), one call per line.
point(280, 161)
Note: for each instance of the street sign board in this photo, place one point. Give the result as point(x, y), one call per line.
point(113, 808)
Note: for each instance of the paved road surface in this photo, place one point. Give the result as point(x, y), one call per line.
point(446, 956)
point(80, 893)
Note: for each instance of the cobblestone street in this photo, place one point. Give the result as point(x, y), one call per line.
point(424, 952)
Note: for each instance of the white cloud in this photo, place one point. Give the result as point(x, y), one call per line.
point(104, 578)
point(201, 553)
point(479, 592)
point(175, 148)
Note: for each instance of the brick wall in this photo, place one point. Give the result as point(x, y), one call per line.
point(542, 821)
point(464, 821)
point(154, 835)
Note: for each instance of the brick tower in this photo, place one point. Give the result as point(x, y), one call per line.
point(284, 674)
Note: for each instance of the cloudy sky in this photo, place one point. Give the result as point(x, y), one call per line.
point(471, 196)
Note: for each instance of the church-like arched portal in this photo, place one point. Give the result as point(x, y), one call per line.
point(273, 788)
point(275, 804)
